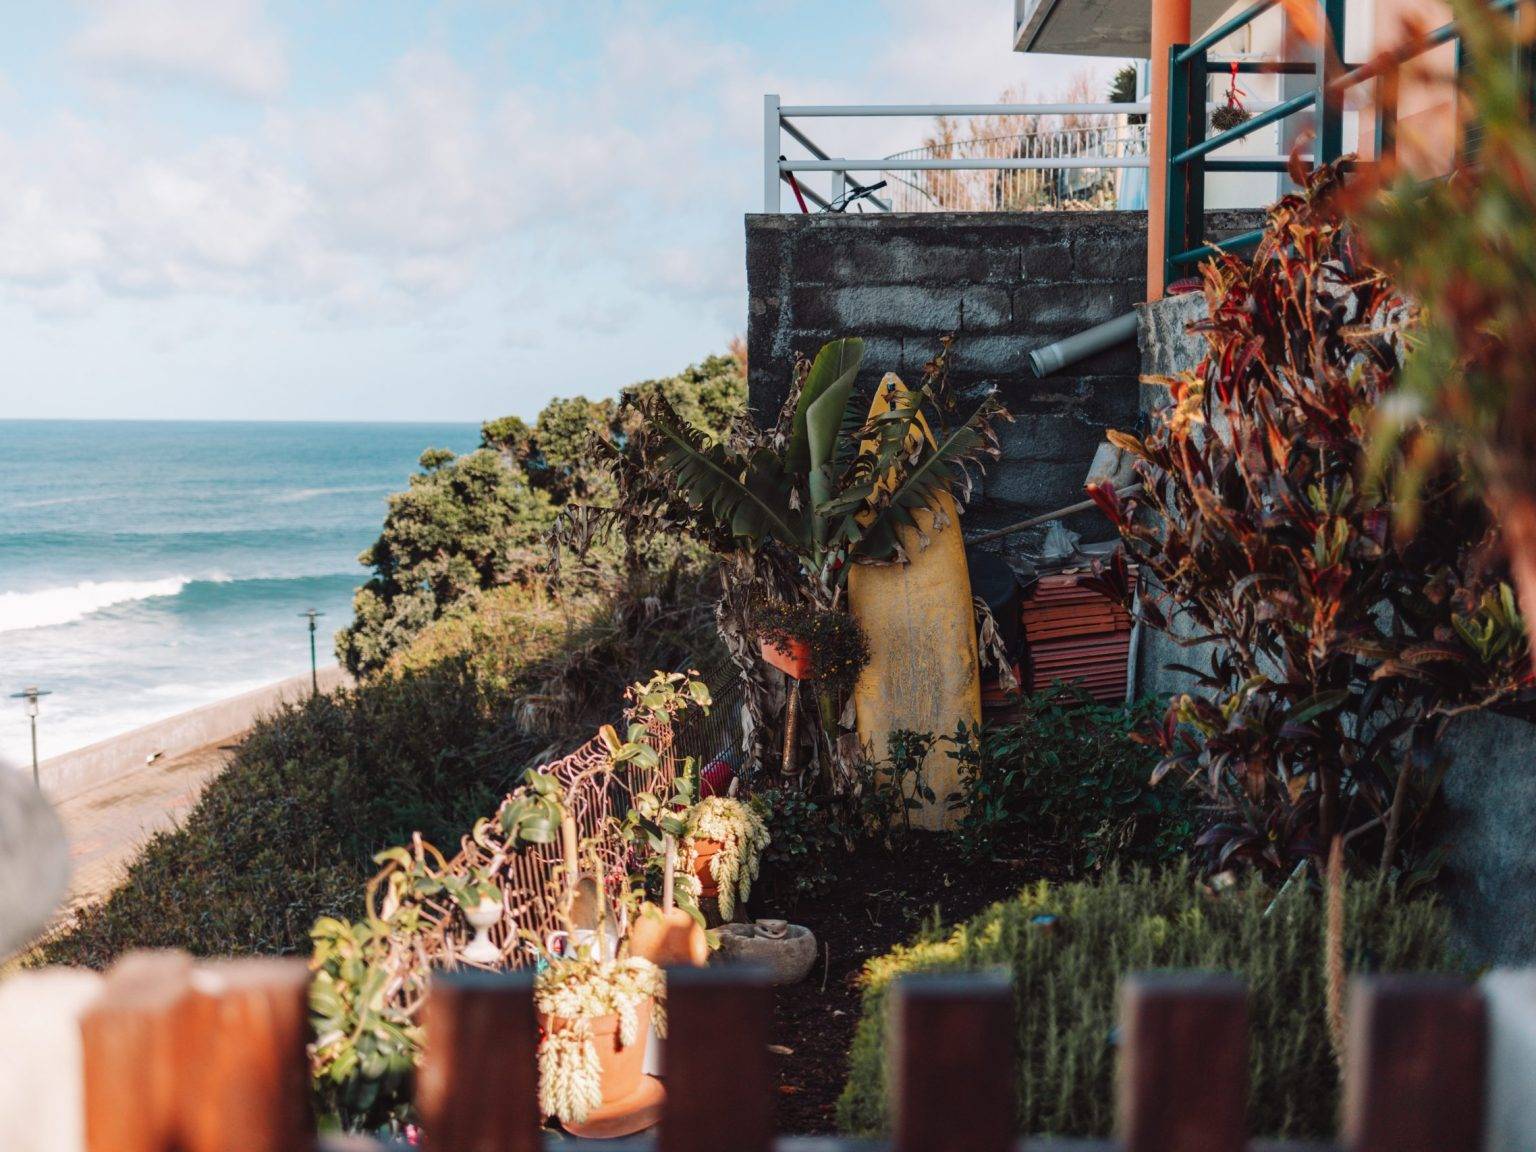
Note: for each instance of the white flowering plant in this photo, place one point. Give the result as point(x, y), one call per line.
point(738, 826)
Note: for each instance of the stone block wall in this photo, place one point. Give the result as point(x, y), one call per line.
point(1004, 284)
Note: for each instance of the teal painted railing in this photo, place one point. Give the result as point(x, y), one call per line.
point(1189, 147)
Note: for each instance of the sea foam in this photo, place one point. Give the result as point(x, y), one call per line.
point(47, 607)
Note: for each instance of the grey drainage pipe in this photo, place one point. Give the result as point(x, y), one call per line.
point(1055, 357)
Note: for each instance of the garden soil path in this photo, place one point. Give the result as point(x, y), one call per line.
point(881, 898)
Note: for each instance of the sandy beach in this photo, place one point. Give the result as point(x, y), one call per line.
point(113, 795)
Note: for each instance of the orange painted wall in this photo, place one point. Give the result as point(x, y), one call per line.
point(1427, 130)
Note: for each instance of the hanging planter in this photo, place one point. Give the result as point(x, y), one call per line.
point(790, 655)
point(810, 643)
point(1232, 113)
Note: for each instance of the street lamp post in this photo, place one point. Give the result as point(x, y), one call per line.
point(314, 671)
point(31, 695)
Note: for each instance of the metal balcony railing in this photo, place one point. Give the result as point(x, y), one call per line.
point(1061, 155)
point(1190, 148)
point(1027, 189)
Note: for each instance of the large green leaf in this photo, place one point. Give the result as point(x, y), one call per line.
point(749, 496)
point(813, 441)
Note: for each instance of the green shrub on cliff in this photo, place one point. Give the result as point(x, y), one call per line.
point(465, 524)
point(468, 524)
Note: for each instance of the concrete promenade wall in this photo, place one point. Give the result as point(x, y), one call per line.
point(74, 772)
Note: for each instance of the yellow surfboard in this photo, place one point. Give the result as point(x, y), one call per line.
point(923, 673)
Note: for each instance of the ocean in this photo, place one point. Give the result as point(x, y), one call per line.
point(150, 567)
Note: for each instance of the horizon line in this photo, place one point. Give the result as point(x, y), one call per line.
point(221, 420)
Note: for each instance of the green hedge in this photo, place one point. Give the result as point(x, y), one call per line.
point(1065, 977)
point(288, 830)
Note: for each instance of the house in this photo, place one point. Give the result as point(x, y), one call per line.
point(1275, 55)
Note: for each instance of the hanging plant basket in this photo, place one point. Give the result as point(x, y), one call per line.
point(1227, 117)
point(810, 643)
point(1232, 113)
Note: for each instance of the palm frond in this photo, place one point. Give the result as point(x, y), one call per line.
point(749, 495)
point(898, 477)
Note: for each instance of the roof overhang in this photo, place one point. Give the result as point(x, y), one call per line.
point(1098, 27)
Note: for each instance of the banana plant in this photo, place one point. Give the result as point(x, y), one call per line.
point(835, 489)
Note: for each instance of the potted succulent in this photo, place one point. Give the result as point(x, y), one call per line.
point(723, 845)
point(595, 1018)
point(598, 1002)
point(809, 643)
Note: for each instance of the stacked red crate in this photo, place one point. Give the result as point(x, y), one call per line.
point(1076, 634)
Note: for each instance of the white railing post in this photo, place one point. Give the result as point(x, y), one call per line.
point(839, 185)
point(771, 179)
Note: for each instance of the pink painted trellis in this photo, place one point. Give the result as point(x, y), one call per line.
point(596, 793)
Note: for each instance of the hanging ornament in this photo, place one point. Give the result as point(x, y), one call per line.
point(1231, 114)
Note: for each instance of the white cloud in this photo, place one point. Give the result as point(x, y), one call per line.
point(224, 44)
point(404, 196)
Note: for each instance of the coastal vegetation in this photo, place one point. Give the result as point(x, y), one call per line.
point(476, 662)
point(473, 523)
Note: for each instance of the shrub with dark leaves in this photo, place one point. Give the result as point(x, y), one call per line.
point(1340, 652)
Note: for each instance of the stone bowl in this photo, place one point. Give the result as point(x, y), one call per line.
point(787, 958)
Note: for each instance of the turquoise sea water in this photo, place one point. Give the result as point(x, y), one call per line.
point(149, 567)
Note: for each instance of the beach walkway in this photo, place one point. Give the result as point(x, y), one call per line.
point(107, 823)
point(115, 795)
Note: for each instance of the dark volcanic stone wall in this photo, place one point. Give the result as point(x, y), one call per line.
point(1003, 283)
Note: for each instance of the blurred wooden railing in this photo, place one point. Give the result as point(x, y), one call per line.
point(210, 1058)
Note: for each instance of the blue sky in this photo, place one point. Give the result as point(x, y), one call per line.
point(347, 209)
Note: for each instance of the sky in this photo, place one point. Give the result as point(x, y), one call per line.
point(368, 209)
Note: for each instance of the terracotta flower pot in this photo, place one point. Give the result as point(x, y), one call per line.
point(668, 938)
point(791, 656)
point(622, 1066)
point(704, 851)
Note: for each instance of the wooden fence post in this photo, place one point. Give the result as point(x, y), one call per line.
point(128, 1054)
point(1416, 1065)
point(716, 1061)
point(244, 1084)
point(952, 1081)
point(478, 1088)
point(1183, 1063)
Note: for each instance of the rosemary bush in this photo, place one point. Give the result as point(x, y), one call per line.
point(1065, 978)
